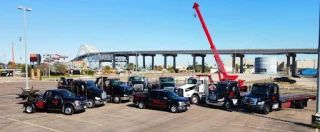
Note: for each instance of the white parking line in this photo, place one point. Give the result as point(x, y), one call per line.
point(31, 124)
point(260, 128)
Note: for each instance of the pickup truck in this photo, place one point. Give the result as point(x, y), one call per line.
point(163, 99)
point(226, 94)
point(284, 79)
point(265, 97)
point(56, 99)
point(87, 89)
point(116, 90)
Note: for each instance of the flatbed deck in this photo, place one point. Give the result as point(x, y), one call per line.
point(287, 97)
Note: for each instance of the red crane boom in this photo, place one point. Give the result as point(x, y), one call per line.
point(221, 69)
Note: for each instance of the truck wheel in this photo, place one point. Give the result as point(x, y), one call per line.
point(90, 103)
point(29, 109)
point(141, 105)
point(68, 110)
point(266, 109)
point(226, 105)
point(300, 104)
point(116, 99)
point(174, 109)
point(194, 99)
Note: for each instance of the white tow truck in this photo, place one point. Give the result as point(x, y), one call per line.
point(196, 88)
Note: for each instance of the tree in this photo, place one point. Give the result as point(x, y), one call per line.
point(23, 69)
point(44, 68)
point(237, 67)
point(60, 68)
point(248, 66)
point(171, 69)
point(158, 68)
point(10, 65)
point(1, 67)
point(107, 69)
point(131, 66)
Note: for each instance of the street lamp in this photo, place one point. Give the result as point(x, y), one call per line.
point(25, 41)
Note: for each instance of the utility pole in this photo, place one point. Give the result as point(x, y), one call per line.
point(315, 121)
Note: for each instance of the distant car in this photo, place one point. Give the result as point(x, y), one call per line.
point(284, 79)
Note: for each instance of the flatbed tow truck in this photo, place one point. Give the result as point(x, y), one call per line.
point(265, 97)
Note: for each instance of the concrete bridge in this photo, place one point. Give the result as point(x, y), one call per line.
point(114, 56)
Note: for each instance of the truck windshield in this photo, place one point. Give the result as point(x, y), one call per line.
point(166, 80)
point(262, 90)
point(116, 82)
point(137, 79)
point(66, 93)
point(171, 95)
point(90, 84)
point(192, 81)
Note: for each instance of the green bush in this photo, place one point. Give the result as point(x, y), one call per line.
point(90, 72)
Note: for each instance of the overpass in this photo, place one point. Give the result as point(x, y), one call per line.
point(95, 56)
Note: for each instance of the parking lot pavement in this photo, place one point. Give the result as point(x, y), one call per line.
point(125, 117)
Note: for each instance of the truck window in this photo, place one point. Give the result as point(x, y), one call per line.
point(53, 94)
point(260, 89)
point(137, 79)
point(166, 80)
point(192, 81)
point(107, 82)
point(154, 94)
point(45, 95)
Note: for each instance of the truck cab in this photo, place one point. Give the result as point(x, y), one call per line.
point(55, 99)
point(116, 89)
point(167, 83)
point(139, 83)
point(87, 88)
point(196, 88)
point(162, 99)
point(265, 97)
point(226, 94)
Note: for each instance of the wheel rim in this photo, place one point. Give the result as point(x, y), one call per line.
point(173, 109)
point(267, 109)
point(29, 109)
point(227, 105)
point(116, 99)
point(90, 104)
point(194, 100)
point(140, 105)
point(68, 110)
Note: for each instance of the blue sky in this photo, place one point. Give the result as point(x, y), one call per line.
point(62, 26)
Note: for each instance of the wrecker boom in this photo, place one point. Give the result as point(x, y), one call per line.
point(221, 69)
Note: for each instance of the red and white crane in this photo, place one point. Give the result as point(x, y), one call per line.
point(221, 70)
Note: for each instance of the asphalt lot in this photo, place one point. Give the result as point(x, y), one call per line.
point(125, 117)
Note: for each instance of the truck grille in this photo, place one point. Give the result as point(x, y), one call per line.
point(169, 88)
point(138, 87)
point(212, 97)
point(180, 92)
point(103, 95)
point(129, 92)
point(250, 101)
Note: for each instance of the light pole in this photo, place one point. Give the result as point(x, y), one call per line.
point(315, 119)
point(25, 41)
point(20, 38)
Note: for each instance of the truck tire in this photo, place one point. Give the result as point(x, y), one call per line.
point(68, 110)
point(116, 99)
point(300, 104)
point(141, 105)
point(226, 105)
point(29, 109)
point(194, 99)
point(266, 109)
point(90, 103)
point(174, 109)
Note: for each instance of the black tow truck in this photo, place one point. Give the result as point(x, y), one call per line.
point(163, 99)
point(54, 100)
point(226, 94)
point(116, 89)
point(87, 89)
point(139, 83)
point(265, 97)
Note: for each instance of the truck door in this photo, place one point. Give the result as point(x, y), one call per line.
point(154, 99)
point(164, 98)
point(54, 101)
point(108, 86)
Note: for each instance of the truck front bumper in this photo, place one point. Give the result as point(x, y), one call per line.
point(184, 108)
point(80, 108)
point(214, 102)
point(126, 98)
point(252, 107)
point(101, 101)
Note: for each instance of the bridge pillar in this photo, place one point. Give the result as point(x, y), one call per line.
point(288, 64)
point(165, 62)
point(174, 62)
point(127, 59)
point(113, 61)
point(203, 68)
point(233, 63)
point(293, 65)
point(241, 63)
point(152, 62)
point(137, 65)
point(194, 63)
point(100, 64)
point(144, 61)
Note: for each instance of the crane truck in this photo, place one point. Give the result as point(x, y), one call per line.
point(227, 96)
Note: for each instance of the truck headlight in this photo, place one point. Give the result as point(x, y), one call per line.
point(77, 103)
point(182, 103)
point(261, 103)
point(97, 98)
